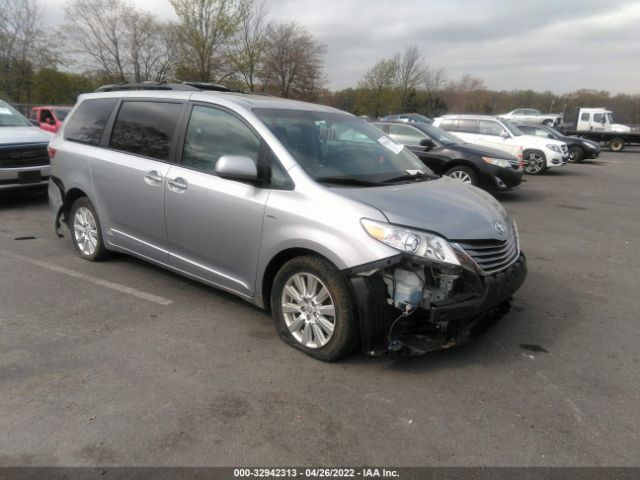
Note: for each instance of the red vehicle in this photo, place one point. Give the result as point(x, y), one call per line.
point(49, 118)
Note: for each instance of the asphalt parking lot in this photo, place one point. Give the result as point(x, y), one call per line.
point(122, 363)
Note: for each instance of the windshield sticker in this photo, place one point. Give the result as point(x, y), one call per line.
point(390, 144)
point(5, 111)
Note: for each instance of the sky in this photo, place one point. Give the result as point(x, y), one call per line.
point(556, 45)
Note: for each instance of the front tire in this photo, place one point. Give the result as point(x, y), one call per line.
point(463, 174)
point(86, 233)
point(313, 308)
point(535, 162)
point(576, 155)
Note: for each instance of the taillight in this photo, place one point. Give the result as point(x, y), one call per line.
point(52, 152)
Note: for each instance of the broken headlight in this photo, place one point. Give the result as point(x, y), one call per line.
point(415, 242)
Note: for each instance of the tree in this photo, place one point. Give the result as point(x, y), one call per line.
point(98, 30)
point(247, 50)
point(380, 82)
point(203, 30)
point(22, 50)
point(294, 62)
point(409, 73)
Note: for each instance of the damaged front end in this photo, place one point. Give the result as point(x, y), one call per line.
point(411, 305)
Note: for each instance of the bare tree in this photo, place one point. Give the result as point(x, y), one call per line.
point(294, 61)
point(434, 80)
point(204, 29)
point(409, 74)
point(381, 81)
point(247, 50)
point(22, 49)
point(98, 29)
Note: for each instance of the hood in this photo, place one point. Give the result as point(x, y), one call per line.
point(450, 208)
point(539, 141)
point(617, 127)
point(481, 151)
point(16, 135)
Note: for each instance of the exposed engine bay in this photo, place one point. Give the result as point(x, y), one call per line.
point(410, 307)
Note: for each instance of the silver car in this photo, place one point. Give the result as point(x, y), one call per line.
point(304, 210)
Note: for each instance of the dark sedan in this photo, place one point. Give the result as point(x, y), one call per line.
point(446, 154)
point(579, 148)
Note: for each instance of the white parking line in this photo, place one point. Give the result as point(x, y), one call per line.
point(97, 281)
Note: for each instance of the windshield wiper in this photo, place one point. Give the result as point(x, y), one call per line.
point(418, 176)
point(347, 181)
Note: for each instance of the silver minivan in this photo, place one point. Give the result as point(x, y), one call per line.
point(304, 210)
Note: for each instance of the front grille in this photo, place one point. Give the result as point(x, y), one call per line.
point(492, 255)
point(16, 156)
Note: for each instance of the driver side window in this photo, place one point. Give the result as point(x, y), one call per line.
point(405, 134)
point(213, 133)
point(487, 127)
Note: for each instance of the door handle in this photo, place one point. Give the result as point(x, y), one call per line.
point(152, 177)
point(178, 184)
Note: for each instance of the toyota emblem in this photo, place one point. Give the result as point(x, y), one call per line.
point(500, 228)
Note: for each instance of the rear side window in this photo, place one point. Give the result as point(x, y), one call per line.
point(584, 117)
point(145, 128)
point(450, 125)
point(87, 123)
point(467, 126)
point(213, 133)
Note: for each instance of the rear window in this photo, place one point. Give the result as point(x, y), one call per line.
point(87, 123)
point(145, 128)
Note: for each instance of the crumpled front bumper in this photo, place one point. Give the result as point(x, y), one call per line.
point(385, 331)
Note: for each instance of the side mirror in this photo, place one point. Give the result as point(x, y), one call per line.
point(504, 134)
point(427, 142)
point(236, 167)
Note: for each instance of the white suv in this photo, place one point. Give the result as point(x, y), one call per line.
point(538, 153)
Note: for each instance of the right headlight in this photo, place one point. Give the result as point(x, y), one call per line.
point(415, 242)
point(553, 147)
point(499, 162)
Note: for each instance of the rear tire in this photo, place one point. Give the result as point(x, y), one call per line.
point(86, 233)
point(535, 163)
point(576, 155)
point(314, 309)
point(463, 174)
point(616, 144)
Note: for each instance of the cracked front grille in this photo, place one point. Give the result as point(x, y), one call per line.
point(17, 156)
point(492, 255)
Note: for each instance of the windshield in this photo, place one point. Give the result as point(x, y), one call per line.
point(11, 118)
point(337, 146)
point(515, 131)
point(609, 118)
point(440, 136)
point(61, 113)
point(556, 134)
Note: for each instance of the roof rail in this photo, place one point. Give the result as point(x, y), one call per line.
point(148, 85)
point(210, 86)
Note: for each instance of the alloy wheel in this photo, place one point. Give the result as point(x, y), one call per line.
point(85, 231)
point(533, 163)
point(461, 176)
point(308, 309)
